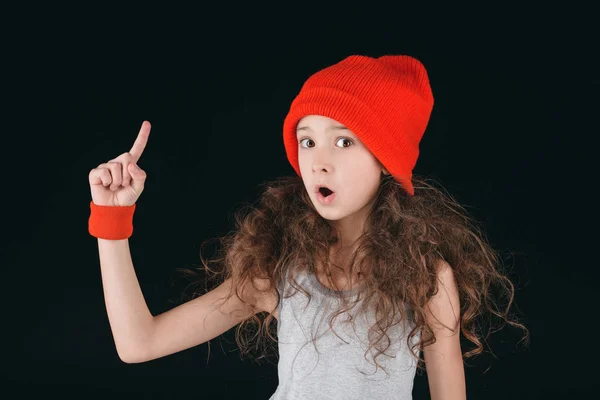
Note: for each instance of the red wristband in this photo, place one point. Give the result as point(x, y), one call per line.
point(109, 222)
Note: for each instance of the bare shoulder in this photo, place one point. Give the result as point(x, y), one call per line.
point(444, 306)
point(264, 294)
point(443, 268)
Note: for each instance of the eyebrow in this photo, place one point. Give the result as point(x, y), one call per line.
point(306, 128)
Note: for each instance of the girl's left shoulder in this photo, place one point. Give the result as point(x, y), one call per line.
point(444, 305)
point(443, 268)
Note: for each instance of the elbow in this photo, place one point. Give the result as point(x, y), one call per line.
point(129, 357)
point(127, 360)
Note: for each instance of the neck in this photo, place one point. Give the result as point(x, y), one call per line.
point(351, 227)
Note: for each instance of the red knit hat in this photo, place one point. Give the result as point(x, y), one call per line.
point(385, 101)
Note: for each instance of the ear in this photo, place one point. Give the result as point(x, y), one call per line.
point(385, 171)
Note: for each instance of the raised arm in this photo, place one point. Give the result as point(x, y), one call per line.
point(139, 336)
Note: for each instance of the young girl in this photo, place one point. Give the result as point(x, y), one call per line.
point(363, 265)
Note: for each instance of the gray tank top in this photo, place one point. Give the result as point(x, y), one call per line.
point(314, 363)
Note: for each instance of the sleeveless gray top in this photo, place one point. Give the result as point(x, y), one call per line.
point(314, 363)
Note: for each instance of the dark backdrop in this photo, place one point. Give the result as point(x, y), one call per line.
point(512, 137)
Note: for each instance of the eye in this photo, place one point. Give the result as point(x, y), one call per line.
point(346, 139)
point(350, 142)
point(302, 140)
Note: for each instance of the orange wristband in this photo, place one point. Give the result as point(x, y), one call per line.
point(113, 223)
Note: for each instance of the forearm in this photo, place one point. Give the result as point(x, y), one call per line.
point(129, 316)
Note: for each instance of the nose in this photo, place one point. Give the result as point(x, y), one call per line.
point(322, 162)
point(321, 168)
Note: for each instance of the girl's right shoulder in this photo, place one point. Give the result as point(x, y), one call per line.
point(264, 294)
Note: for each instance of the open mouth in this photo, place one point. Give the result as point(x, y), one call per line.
point(325, 191)
point(325, 195)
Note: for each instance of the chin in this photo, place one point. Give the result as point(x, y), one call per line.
point(330, 215)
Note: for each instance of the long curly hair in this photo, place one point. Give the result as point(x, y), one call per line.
point(397, 256)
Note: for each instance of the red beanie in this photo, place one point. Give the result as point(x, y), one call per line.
point(385, 101)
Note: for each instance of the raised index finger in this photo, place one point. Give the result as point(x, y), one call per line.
point(140, 142)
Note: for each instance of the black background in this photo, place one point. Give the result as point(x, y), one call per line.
point(512, 137)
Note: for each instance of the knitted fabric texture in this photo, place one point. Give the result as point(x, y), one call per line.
point(385, 101)
point(108, 222)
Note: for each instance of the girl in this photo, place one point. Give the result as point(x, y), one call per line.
point(364, 266)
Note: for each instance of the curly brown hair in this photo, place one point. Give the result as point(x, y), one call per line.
point(404, 239)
